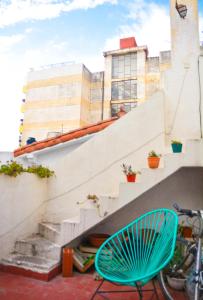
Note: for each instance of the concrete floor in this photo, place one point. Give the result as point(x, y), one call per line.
point(78, 287)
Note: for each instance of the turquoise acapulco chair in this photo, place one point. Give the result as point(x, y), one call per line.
point(135, 254)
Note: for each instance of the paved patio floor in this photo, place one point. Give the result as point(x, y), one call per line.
point(78, 287)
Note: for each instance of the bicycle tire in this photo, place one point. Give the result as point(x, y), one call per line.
point(162, 284)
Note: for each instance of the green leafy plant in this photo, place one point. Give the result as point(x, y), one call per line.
point(12, 168)
point(173, 269)
point(40, 171)
point(96, 201)
point(176, 142)
point(127, 170)
point(153, 154)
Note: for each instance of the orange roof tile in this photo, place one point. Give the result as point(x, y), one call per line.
point(74, 134)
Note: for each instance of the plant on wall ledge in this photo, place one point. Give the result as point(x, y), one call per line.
point(96, 201)
point(13, 169)
point(40, 171)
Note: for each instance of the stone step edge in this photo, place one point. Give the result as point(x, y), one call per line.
point(48, 226)
point(19, 270)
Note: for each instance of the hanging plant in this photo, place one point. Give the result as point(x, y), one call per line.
point(40, 171)
point(13, 169)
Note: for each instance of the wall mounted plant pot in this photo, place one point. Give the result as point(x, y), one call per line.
point(177, 148)
point(131, 178)
point(153, 162)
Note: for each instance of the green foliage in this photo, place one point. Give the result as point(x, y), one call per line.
point(176, 142)
point(127, 170)
point(178, 255)
point(12, 168)
point(40, 171)
point(153, 154)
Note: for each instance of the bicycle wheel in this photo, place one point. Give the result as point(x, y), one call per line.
point(164, 286)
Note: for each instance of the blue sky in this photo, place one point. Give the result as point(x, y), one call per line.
point(40, 32)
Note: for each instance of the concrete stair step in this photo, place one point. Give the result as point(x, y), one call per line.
point(38, 246)
point(31, 266)
point(50, 231)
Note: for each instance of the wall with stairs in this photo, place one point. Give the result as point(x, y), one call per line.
point(22, 207)
point(39, 255)
point(95, 168)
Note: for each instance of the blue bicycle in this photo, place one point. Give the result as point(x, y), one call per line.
point(191, 264)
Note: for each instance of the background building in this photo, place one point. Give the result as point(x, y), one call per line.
point(62, 97)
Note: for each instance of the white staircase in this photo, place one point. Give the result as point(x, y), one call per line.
point(41, 253)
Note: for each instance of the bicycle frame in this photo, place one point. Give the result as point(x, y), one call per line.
point(196, 250)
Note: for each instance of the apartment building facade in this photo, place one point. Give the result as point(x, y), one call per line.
point(63, 97)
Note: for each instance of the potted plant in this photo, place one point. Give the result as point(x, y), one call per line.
point(153, 159)
point(175, 276)
point(130, 174)
point(184, 231)
point(176, 146)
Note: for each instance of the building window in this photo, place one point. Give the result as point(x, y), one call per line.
point(115, 108)
point(124, 90)
point(124, 66)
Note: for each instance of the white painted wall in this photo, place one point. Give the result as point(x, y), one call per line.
point(200, 65)
point(5, 156)
point(22, 206)
point(95, 167)
point(181, 82)
point(50, 156)
point(55, 71)
point(183, 187)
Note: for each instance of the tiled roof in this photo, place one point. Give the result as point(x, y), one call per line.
point(71, 135)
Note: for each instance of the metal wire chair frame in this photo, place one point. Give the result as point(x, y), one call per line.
point(165, 222)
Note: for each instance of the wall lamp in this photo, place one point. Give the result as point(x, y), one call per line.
point(182, 10)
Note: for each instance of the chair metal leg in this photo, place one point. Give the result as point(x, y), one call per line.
point(139, 289)
point(97, 289)
point(155, 289)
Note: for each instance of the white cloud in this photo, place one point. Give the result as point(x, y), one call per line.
point(150, 24)
point(6, 42)
point(15, 11)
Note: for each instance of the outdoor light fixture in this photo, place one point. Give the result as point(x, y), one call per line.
point(182, 9)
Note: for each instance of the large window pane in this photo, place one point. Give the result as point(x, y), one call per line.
point(124, 66)
point(124, 90)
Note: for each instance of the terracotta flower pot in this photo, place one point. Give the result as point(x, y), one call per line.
point(97, 239)
point(187, 232)
point(131, 177)
point(153, 162)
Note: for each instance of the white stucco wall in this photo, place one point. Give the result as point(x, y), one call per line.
point(49, 156)
point(95, 167)
point(22, 206)
point(201, 89)
point(5, 156)
point(183, 187)
point(181, 82)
